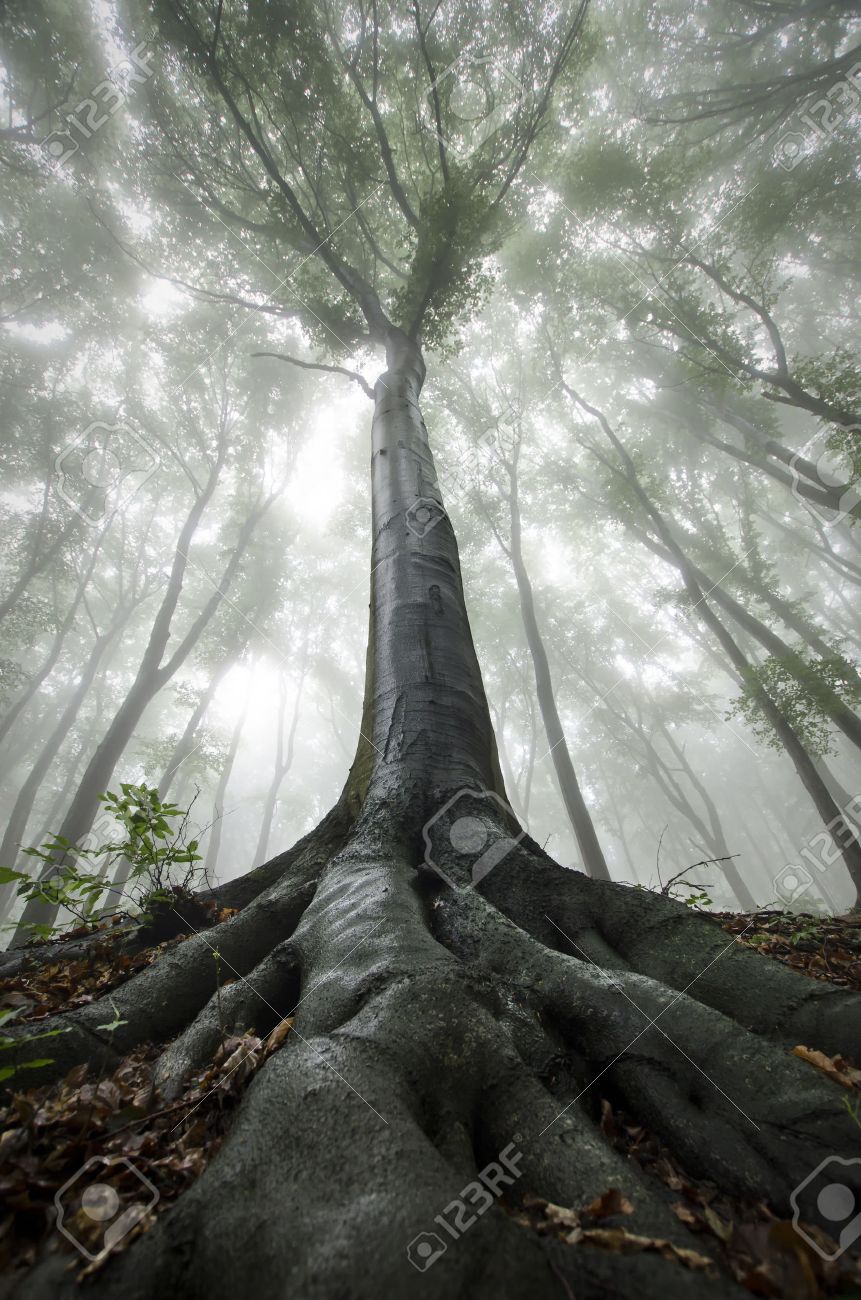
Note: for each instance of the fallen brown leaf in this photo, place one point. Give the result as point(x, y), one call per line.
point(622, 1242)
point(607, 1205)
point(835, 1067)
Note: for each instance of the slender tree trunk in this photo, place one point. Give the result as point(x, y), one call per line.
point(511, 783)
point(283, 763)
point(152, 675)
point(618, 820)
point(839, 712)
point(16, 827)
point(591, 853)
point(40, 555)
point(805, 480)
point(45, 668)
point(802, 761)
point(213, 847)
point(815, 786)
point(73, 767)
point(185, 746)
point(736, 880)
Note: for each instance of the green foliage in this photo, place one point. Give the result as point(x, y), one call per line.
point(807, 933)
point(846, 443)
point(449, 277)
point(8, 1044)
point(836, 379)
point(699, 899)
point(806, 689)
point(150, 837)
point(114, 1024)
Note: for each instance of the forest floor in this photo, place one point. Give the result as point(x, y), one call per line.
point(47, 1133)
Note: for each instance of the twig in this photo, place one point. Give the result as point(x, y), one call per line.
point(658, 857)
point(665, 889)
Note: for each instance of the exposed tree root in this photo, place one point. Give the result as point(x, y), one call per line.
point(432, 1031)
point(163, 999)
point(623, 928)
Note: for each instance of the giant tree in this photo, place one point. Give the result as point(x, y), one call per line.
point(466, 961)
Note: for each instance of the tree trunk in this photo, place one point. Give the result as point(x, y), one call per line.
point(736, 880)
point(39, 557)
point(185, 746)
point(213, 847)
point(46, 667)
point(831, 815)
point(591, 853)
point(283, 763)
point(16, 827)
point(151, 677)
point(468, 1009)
point(842, 716)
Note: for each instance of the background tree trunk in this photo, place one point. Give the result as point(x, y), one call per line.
point(591, 853)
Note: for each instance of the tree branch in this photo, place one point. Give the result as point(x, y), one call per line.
point(319, 365)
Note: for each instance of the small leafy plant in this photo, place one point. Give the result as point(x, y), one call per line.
point(149, 838)
point(699, 898)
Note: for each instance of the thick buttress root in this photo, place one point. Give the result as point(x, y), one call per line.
point(424, 1023)
point(622, 928)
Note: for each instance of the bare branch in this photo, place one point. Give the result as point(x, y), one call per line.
point(319, 365)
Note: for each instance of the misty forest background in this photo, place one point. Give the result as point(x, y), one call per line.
point(675, 265)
